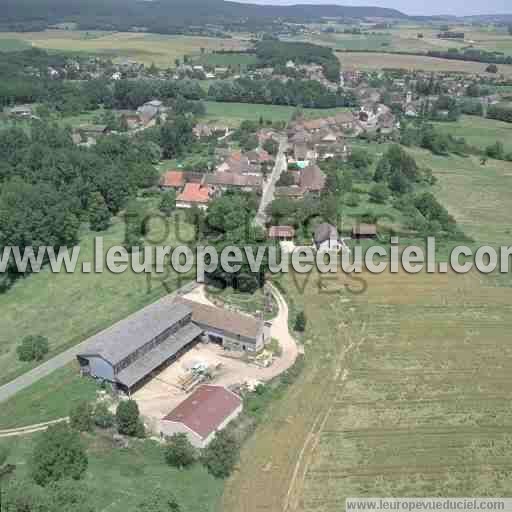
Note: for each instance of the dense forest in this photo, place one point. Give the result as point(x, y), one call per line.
point(306, 93)
point(277, 53)
point(166, 16)
point(49, 186)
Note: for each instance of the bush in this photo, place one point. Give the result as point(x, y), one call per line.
point(271, 146)
point(4, 453)
point(58, 455)
point(103, 418)
point(158, 500)
point(179, 453)
point(379, 193)
point(80, 417)
point(300, 322)
point(221, 455)
point(128, 419)
point(168, 202)
point(99, 214)
point(352, 200)
point(33, 348)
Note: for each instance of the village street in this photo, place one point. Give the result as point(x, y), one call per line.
point(270, 184)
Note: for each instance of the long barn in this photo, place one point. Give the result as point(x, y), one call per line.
point(131, 351)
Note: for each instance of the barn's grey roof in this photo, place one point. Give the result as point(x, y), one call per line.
point(142, 367)
point(125, 337)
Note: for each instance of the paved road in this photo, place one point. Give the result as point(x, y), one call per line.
point(270, 185)
point(64, 358)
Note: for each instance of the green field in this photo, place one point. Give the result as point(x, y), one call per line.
point(119, 479)
point(49, 399)
point(480, 132)
point(478, 196)
point(67, 308)
point(234, 113)
point(12, 44)
point(227, 59)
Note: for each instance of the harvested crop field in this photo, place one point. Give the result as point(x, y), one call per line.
point(144, 48)
point(368, 60)
point(406, 387)
point(405, 393)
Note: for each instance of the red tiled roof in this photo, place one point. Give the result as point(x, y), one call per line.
point(194, 193)
point(205, 409)
point(173, 179)
point(281, 231)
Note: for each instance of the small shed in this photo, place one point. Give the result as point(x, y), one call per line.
point(364, 231)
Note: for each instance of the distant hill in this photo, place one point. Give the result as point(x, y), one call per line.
point(167, 15)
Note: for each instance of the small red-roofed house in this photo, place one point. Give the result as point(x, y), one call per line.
point(194, 194)
point(173, 179)
point(205, 412)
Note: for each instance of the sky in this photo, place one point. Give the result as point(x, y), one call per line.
point(415, 7)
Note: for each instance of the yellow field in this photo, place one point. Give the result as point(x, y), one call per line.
point(370, 61)
point(143, 48)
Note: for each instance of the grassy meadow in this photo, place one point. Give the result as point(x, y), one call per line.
point(68, 308)
point(480, 132)
point(144, 48)
point(119, 479)
point(234, 113)
point(227, 59)
point(49, 399)
point(12, 44)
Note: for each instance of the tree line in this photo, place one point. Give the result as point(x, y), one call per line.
point(276, 53)
point(306, 93)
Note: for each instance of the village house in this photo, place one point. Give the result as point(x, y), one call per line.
point(326, 238)
point(290, 192)
point(173, 180)
point(281, 233)
point(238, 163)
point(202, 130)
point(194, 194)
point(222, 181)
point(312, 179)
point(259, 157)
point(21, 111)
point(150, 111)
point(364, 231)
point(88, 134)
